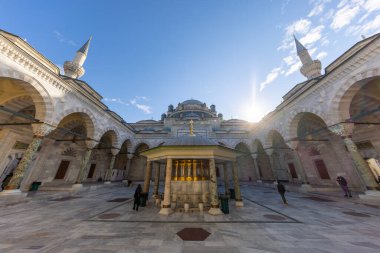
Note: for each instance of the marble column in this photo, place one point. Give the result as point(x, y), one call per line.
point(156, 179)
point(297, 159)
point(214, 210)
point(254, 157)
point(114, 151)
point(345, 131)
point(128, 166)
point(238, 198)
point(226, 182)
point(269, 152)
point(39, 131)
point(83, 166)
point(168, 176)
point(148, 175)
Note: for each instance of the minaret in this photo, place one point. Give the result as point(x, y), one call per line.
point(310, 68)
point(74, 69)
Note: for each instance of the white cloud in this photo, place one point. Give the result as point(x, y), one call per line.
point(289, 60)
point(321, 55)
point(296, 66)
point(62, 38)
point(345, 14)
point(312, 36)
point(145, 108)
point(116, 100)
point(318, 8)
point(300, 26)
point(270, 77)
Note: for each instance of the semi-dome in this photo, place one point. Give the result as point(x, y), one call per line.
point(189, 140)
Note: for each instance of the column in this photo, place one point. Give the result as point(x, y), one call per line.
point(254, 157)
point(299, 167)
point(148, 175)
point(239, 200)
point(84, 164)
point(156, 179)
point(214, 210)
point(195, 177)
point(345, 131)
point(269, 152)
point(128, 166)
point(114, 151)
point(168, 176)
point(226, 183)
point(39, 131)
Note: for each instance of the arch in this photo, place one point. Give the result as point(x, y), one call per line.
point(292, 126)
point(40, 96)
point(275, 139)
point(87, 115)
point(142, 146)
point(115, 135)
point(126, 147)
point(108, 137)
point(340, 104)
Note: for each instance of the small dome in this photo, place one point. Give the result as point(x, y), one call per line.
point(192, 102)
point(188, 140)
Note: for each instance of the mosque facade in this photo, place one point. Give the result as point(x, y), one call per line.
point(54, 128)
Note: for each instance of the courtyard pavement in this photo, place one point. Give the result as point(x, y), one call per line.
point(102, 220)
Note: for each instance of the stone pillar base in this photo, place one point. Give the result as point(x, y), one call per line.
point(16, 192)
point(215, 211)
point(166, 211)
point(107, 182)
point(77, 186)
point(200, 206)
point(125, 181)
point(239, 203)
point(370, 195)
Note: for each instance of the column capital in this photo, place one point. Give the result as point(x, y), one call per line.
point(269, 151)
point(293, 144)
point(90, 144)
point(114, 151)
point(342, 129)
point(130, 156)
point(254, 156)
point(42, 129)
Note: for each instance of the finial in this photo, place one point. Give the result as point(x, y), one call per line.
point(192, 128)
point(84, 48)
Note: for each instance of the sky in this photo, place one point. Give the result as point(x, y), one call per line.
point(147, 54)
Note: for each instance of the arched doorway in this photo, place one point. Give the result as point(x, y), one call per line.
point(280, 152)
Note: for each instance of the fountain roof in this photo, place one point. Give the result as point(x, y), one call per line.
point(191, 140)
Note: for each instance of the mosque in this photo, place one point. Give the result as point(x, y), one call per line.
point(54, 129)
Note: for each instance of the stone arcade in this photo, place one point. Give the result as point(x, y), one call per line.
point(54, 129)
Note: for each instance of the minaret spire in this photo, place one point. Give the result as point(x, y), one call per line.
point(74, 69)
point(310, 68)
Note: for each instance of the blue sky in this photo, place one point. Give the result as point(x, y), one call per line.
point(145, 55)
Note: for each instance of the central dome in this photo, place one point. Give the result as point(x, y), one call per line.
point(192, 102)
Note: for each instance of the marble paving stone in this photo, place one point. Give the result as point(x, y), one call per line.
point(76, 224)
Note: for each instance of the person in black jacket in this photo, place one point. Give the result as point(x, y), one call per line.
point(281, 189)
point(136, 196)
point(344, 185)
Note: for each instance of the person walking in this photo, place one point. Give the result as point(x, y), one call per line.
point(344, 185)
point(281, 189)
point(136, 197)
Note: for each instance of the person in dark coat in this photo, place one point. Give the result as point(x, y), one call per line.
point(344, 185)
point(136, 196)
point(281, 189)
